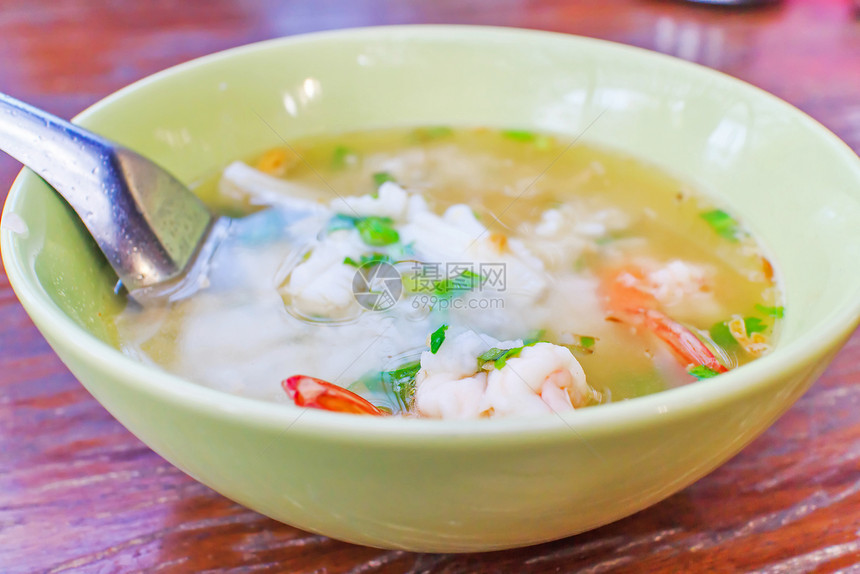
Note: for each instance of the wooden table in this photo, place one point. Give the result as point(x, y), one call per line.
point(79, 493)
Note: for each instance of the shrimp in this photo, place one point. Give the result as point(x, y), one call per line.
point(318, 394)
point(449, 384)
point(630, 297)
point(543, 378)
point(538, 379)
point(449, 396)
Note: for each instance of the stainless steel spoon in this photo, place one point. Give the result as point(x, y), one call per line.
point(147, 223)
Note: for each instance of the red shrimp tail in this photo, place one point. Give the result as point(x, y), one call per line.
point(319, 394)
point(683, 342)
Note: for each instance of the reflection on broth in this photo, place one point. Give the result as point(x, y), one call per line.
point(461, 273)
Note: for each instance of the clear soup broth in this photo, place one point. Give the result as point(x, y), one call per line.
point(461, 273)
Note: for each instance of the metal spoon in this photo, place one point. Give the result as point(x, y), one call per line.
point(147, 223)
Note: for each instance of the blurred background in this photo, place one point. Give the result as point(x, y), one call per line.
point(77, 51)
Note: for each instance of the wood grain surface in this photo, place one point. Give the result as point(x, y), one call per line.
point(79, 493)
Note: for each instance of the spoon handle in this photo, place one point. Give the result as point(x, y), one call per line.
point(146, 222)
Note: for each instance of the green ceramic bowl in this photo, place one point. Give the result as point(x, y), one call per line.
point(439, 485)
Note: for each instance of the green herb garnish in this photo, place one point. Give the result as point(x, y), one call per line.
point(466, 281)
point(754, 325)
point(343, 157)
point(777, 312)
point(587, 342)
point(409, 370)
point(499, 357)
point(381, 177)
point(520, 135)
point(366, 259)
point(431, 133)
point(401, 382)
point(509, 354)
point(377, 231)
point(491, 355)
point(540, 141)
point(702, 372)
point(437, 338)
point(722, 223)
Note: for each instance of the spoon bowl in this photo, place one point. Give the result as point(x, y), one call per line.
point(146, 222)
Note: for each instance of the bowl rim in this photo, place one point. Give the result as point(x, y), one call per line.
point(622, 416)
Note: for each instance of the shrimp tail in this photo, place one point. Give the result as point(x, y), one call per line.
point(686, 345)
point(318, 394)
point(630, 303)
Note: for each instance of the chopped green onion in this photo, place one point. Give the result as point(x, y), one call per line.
point(777, 312)
point(407, 370)
point(437, 338)
point(509, 354)
point(381, 177)
point(343, 157)
point(499, 357)
point(367, 259)
point(702, 372)
point(377, 231)
point(491, 355)
point(520, 135)
point(587, 342)
point(754, 325)
point(540, 141)
point(467, 280)
point(401, 381)
point(431, 133)
point(722, 223)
